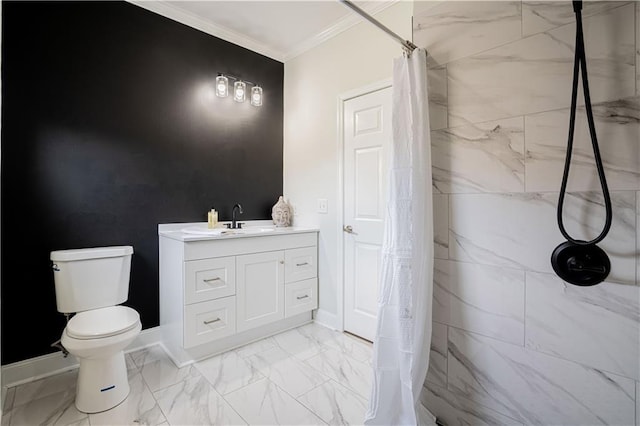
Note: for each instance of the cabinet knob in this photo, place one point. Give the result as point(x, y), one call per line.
point(282, 262)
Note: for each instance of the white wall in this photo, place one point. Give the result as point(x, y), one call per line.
point(313, 83)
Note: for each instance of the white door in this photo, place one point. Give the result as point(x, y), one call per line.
point(367, 138)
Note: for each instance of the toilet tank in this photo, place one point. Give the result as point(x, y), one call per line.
point(91, 278)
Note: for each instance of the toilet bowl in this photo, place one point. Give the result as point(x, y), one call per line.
point(97, 339)
point(92, 284)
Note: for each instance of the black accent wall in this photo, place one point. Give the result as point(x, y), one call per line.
point(110, 127)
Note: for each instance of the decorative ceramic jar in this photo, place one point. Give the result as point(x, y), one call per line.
point(281, 213)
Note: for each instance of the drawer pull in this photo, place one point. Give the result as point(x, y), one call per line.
point(212, 279)
point(302, 297)
point(212, 321)
point(302, 264)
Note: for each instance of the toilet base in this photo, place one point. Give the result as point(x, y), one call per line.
point(102, 383)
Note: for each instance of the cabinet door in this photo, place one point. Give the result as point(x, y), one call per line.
point(259, 289)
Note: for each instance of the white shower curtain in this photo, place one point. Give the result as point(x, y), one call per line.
point(403, 335)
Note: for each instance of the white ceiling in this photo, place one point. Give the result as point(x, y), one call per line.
point(278, 29)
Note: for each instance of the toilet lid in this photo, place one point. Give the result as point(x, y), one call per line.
point(103, 322)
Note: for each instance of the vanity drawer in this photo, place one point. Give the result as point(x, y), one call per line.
point(207, 321)
point(300, 264)
point(300, 297)
point(209, 279)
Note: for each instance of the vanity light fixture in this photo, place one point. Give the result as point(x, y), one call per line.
point(256, 96)
point(222, 86)
point(239, 89)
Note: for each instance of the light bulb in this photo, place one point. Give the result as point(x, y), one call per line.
point(256, 96)
point(239, 88)
point(222, 86)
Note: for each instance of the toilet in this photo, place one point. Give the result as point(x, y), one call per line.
point(92, 283)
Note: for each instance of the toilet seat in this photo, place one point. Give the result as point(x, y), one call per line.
point(103, 322)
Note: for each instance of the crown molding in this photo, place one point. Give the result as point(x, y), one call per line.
point(169, 11)
point(342, 25)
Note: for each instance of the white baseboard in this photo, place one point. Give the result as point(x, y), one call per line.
point(47, 365)
point(327, 319)
point(146, 338)
point(2, 400)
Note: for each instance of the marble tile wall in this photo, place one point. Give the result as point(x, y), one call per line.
point(437, 87)
point(441, 226)
point(438, 357)
point(512, 343)
point(540, 16)
point(491, 84)
point(616, 122)
point(456, 410)
point(557, 313)
point(637, 51)
point(462, 155)
point(535, 388)
point(484, 299)
point(480, 26)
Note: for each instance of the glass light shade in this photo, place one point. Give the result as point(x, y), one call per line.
point(256, 96)
point(239, 91)
point(222, 86)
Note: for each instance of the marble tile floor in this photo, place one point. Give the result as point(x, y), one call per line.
point(309, 375)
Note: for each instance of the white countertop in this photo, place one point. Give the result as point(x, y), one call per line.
point(197, 231)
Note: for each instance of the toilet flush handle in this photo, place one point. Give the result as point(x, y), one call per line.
point(55, 267)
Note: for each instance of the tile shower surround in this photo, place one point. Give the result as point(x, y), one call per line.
point(512, 343)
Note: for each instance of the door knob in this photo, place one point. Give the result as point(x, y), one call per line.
point(349, 230)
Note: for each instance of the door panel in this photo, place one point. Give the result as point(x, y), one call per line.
point(367, 265)
point(368, 165)
point(367, 137)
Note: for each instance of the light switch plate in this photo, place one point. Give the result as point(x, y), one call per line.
point(323, 205)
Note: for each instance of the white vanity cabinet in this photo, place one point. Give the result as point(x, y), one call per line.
point(220, 293)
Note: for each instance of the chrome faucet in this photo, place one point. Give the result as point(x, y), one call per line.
point(234, 224)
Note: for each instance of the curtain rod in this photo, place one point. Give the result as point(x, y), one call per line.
point(406, 44)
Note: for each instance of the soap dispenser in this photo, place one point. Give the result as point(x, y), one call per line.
point(212, 218)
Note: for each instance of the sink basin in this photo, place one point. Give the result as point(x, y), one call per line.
point(204, 230)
